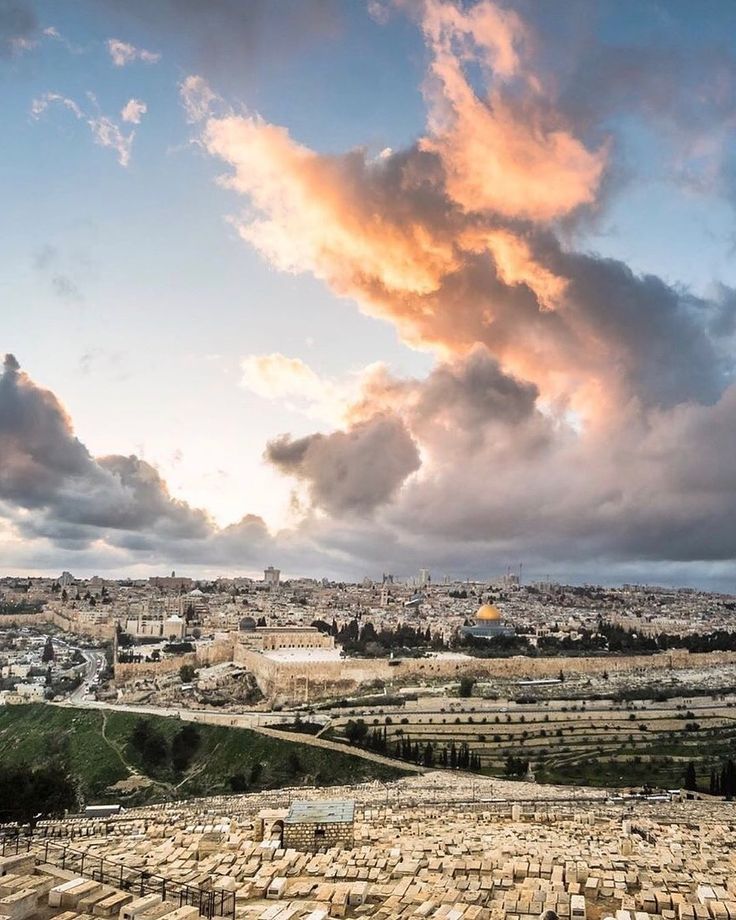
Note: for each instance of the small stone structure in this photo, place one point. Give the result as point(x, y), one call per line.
point(314, 826)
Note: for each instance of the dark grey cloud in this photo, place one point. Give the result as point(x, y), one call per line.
point(18, 26)
point(475, 392)
point(655, 484)
point(352, 471)
point(45, 469)
point(666, 341)
point(234, 38)
point(500, 481)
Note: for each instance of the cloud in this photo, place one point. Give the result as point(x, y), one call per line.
point(501, 474)
point(133, 111)
point(18, 27)
point(545, 428)
point(298, 386)
point(48, 263)
point(506, 151)
point(353, 471)
point(45, 469)
point(105, 131)
point(122, 53)
point(61, 506)
point(463, 469)
point(386, 233)
point(197, 98)
point(232, 38)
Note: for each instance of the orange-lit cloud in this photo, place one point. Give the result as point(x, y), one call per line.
point(549, 361)
point(507, 151)
point(440, 238)
point(328, 215)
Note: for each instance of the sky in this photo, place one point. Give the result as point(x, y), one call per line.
point(364, 286)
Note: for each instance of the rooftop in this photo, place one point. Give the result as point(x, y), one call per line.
point(304, 654)
point(321, 812)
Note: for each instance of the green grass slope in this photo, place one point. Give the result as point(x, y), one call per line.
point(99, 750)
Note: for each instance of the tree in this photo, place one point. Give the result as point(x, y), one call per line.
point(728, 779)
point(26, 792)
point(238, 782)
point(691, 781)
point(466, 686)
point(187, 673)
point(184, 746)
point(149, 743)
point(356, 731)
point(48, 653)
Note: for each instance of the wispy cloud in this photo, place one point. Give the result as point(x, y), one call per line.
point(133, 111)
point(106, 132)
point(300, 388)
point(197, 97)
point(123, 53)
point(48, 262)
point(18, 28)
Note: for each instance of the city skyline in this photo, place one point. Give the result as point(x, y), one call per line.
point(346, 288)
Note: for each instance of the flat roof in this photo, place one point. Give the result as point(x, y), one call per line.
point(303, 654)
point(329, 811)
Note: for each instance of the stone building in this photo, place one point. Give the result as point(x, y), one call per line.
point(277, 638)
point(314, 826)
point(488, 624)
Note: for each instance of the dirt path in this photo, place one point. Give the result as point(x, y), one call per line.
point(114, 747)
point(200, 769)
point(132, 771)
point(249, 720)
point(342, 748)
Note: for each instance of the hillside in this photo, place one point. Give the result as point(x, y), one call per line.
point(118, 756)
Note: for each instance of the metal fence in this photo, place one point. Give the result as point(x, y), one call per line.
point(209, 902)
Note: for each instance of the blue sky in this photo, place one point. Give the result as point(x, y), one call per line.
point(169, 299)
point(129, 294)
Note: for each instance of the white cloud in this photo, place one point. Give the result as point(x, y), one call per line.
point(297, 386)
point(41, 103)
point(197, 97)
point(123, 53)
point(105, 131)
point(133, 111)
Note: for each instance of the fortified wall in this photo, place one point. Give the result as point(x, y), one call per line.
point(215, 653)
point(305, 680)
point(71, 623)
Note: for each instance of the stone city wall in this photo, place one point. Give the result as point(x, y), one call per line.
point(68, 623)
point(216, 652)
point(8, 620)
point(302, 681)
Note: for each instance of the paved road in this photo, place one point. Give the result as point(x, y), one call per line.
point(255, 721)
point(93, 659)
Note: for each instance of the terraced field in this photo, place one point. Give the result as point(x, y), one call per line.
point(601, 742)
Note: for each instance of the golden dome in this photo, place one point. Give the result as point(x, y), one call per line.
point(488, 612)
